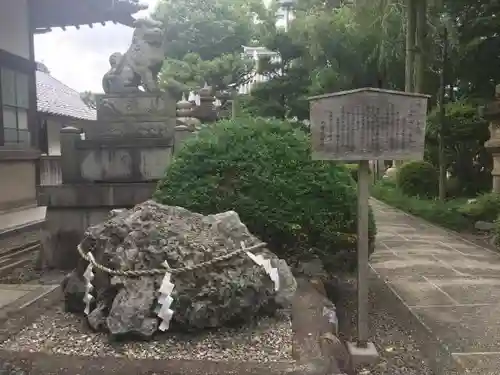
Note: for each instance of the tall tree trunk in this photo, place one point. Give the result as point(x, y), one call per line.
point(442, 117)
point(411, 19)
point(411, 23)
point(421, 36)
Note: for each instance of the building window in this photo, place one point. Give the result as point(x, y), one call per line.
point(15, 104)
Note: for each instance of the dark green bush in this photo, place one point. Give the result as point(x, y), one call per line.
point(486, 207)
point(263, 170)
point(353, 169)
point(444, 213)
point(417, 178)
point(465, 132)
point(496, 233)
point(453, 187)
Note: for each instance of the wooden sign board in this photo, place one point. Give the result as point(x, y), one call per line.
point(368, 124)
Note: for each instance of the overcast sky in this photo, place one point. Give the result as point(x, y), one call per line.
point(79, 58)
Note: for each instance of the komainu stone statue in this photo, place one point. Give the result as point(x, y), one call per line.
point(124, 80)
point(140, 65)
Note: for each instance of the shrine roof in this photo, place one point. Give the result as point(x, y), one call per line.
point(56, 98)
point(48, 14)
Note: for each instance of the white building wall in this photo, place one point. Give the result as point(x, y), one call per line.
point(14, 27)
point(54, 136)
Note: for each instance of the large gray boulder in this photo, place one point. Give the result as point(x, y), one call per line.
point(143, 238)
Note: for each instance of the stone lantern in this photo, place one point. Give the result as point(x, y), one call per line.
point(184, 108)
point(491, 112)
point(206, 110)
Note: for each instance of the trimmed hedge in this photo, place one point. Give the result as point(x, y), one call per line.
point(486, 207)
point(496, 233)
point(263, 170)
point(418, 178)
point(445, 213)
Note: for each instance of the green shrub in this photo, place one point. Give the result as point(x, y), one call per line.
point(496, 233)
point(444, 213)
point(418, 178)
point(353, 170)
point(465, 132)
point(486, 207)
point(263, 170)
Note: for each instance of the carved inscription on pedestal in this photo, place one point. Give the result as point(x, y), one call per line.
point(141, 106)
point(368, 125)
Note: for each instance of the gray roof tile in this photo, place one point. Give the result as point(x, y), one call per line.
point(54, 97)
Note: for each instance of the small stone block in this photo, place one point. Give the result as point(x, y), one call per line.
point(362, 356)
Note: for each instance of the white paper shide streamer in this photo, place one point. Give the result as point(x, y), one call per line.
point(165, 300)
point(88, 275)
point(268, 268)
point(331, 315)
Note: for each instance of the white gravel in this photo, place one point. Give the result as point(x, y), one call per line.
point(58, 332)
point(398, 347)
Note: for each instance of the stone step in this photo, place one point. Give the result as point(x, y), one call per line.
point(8, 268)
point(18, 257)
point(21, 233)
point(16, 248)
point(17, 253)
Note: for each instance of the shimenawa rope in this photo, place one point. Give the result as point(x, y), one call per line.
point(157, 271)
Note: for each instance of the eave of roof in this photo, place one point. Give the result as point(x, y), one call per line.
point(64, 13)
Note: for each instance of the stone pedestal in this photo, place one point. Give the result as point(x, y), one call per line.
point(362, 356)
point(131, 141)
point(116, 165)
point(138, 106)
point(491, 112)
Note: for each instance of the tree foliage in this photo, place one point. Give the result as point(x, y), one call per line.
point(330, 46)
point(203, 40)
point(334, 45)
point(349, 44)
point(464, 135)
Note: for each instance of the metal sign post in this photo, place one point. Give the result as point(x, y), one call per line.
point(359, 126)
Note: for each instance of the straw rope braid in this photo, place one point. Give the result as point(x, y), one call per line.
point(157, 271)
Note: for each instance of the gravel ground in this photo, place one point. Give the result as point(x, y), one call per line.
point(398, 349)
point(9, 369)
point(269, 340)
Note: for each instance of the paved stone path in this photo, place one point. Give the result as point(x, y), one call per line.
point(449, 284)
